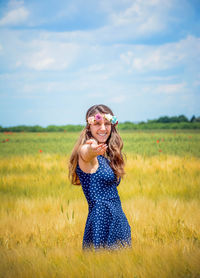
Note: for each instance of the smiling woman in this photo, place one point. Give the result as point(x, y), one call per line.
point(99, 137)
point(98, 165)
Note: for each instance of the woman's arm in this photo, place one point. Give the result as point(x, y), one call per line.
point(91, 149)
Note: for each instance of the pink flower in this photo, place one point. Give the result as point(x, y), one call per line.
point(40, 151)
point(157, 141)
point(98, 117)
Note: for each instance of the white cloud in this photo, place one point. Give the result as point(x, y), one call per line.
point(50, 55)
point(137, 19)
point(161, 78)
point(15, 17)
point(41, 64)
point(13, 4)
point(162, 57)
point(95, 68)
point(126, 20)
point(179, 88)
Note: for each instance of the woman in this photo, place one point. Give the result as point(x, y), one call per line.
point(98, 165)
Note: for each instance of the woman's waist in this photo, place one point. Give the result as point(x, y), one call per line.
point(93, 202)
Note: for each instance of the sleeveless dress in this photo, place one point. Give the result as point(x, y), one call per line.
point(106, 225)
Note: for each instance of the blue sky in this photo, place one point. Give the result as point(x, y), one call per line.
point(57, 58)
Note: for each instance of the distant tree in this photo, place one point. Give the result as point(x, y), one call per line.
point(52, 128)
point(127, 122)
point(164, 119)
point(173, 119)
point(193, 119)
point(182, 119)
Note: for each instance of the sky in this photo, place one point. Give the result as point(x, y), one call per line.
point(57, 58)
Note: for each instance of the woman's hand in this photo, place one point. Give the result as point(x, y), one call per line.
point(95, 148)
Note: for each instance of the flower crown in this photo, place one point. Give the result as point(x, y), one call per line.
point(98, 118)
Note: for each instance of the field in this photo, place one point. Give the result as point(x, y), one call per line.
point(42, 216)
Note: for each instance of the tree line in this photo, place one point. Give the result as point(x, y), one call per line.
point(164, 122)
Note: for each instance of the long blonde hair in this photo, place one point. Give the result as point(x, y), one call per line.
point(113, 152)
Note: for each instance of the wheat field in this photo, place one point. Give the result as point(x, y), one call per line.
point(42, 216)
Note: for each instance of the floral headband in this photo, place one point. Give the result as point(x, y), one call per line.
point(98, 118)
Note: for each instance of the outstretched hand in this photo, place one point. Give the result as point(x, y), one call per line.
point(97, 149)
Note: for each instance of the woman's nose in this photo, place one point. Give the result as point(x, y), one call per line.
point(102, 127)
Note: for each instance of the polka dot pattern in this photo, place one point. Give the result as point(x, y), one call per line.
point(106, 226)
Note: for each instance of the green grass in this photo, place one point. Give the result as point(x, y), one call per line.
point(144, 143)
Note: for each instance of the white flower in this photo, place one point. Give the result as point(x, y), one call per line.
point(108, 117)
point(91, 120)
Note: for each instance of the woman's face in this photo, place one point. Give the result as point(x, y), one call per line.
point(101, 130)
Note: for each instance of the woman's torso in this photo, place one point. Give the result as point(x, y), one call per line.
point(100, 185)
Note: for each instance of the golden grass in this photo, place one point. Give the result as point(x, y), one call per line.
point(42, 220)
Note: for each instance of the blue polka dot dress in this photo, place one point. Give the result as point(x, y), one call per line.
point(106, 226)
